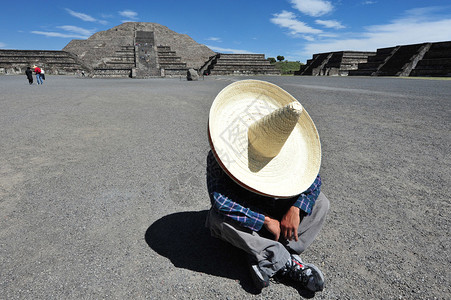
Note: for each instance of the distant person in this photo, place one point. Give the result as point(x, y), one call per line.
point(29, 74)
point(42, 74)
point(37, 71)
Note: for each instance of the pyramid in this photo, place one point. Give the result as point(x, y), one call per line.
point(139, 49)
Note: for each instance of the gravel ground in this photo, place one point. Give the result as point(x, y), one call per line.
point(103, 194)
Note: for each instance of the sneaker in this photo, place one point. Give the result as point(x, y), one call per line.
point(307, 275)
point(261, 280)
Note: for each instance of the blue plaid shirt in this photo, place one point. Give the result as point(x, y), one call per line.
point(248, 209)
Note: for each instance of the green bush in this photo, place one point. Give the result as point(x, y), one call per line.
point(272, 60)
point(288, 67)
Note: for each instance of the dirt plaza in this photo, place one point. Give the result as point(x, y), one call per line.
point(103, 192)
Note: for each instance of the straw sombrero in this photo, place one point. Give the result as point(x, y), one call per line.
point(264, 139)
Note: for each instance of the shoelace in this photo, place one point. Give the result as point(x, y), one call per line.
point(299, 272)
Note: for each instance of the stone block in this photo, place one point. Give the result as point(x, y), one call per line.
point(191, 75)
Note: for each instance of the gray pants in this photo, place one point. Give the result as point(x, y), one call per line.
point(270, 255)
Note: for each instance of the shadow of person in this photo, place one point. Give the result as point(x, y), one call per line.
point(184, 240)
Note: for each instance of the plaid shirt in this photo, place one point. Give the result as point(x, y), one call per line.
point(248, 209)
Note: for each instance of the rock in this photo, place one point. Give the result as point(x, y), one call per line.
point(191, 75)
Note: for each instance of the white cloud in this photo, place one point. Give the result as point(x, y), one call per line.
point(330, 24)
point(70, 32)
point(131, 15)
point(2, 45)
point(288, 20)
point(214, 39)
point(78, 30)
point(417, 26)
point(58, 34)
point(228, 50)
point(369, 2)
point(85, 17)
point(308, 38)
point(314, 8)
point(81, 16)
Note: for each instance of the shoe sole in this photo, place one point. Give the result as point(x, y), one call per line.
point(259, 279)
point(319, 278)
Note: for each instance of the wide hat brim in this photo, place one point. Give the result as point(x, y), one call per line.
point(286, 175)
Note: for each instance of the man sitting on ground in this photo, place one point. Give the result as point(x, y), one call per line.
point(263, 182)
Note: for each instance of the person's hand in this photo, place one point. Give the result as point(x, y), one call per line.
point(290, 223)
point(273, 226)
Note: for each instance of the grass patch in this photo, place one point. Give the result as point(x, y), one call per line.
point(288, 67)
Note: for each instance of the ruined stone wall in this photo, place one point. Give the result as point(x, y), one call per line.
point(53, 62)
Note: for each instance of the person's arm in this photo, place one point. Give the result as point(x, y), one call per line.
point(219, 186)
point(290, 223)
point(273, 226)
point(305, 202)
point(244, 216)
point(236, 212)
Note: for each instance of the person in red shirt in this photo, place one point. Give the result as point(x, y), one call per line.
point(37, 70)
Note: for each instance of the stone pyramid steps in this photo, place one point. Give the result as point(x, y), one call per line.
point(170, 62)
point(395, 63)
point(427, 59)
point(118, 65)
point(436, 62)
point(351, 59)
point(241, 64)
point(53, 62)
point(334, 63)
point(374, 62)
point(313, 63)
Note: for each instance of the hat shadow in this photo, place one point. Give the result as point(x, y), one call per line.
point(256, 162)
point(183, 238)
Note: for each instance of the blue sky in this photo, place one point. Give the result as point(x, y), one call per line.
point(295, 29)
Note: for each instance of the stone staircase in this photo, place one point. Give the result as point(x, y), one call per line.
point(117, 66)
point(426, 59)
point(53, 62)
point(333, 63)
point(312, 64)
point(435, 62)
point(208, 65)
point(350, 61)
point(321, 69)
point(394, 65)
point(170, 63)
point(124, 61)
point(374, 62)
point(240, 64)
